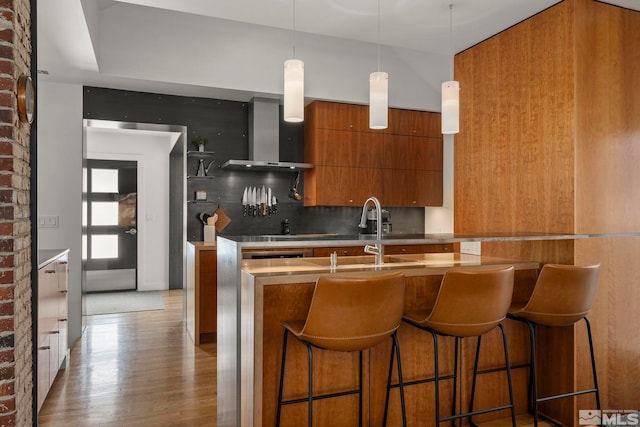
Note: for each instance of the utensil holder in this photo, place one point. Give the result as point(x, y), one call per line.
point(209, 233)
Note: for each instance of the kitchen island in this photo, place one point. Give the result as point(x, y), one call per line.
point(255, 296)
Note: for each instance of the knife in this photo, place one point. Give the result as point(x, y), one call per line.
point(274, 202)
point(269, 201)
point(250, 201)
point(255, 201)
point(258, 201)
point(263, 201)
point(244, 202)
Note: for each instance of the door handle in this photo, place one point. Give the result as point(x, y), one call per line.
point(132, 231)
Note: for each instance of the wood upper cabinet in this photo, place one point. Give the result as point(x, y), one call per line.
point(401, 166)
point(402, 187)
point(341, 186)
point(338, 116)
point(414, 123)
point(410, 152)
point(343, 148)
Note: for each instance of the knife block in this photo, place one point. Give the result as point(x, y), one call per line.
point(210, 233)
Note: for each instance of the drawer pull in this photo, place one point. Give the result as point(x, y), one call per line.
point(49, 272)
point(62, 320)
point(64, 291)
point(46, 347)
point(54, 332)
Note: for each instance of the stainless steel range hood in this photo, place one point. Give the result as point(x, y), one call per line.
point(264, 139)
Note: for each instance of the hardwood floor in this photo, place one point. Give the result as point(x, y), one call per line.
point(136, 369)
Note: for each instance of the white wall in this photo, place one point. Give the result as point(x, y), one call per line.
point(440, 219)
point(59, 170)
point(151, 151)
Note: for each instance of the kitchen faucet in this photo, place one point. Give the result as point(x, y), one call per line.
point(377, 249)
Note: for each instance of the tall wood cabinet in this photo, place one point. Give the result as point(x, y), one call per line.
point(400, 165)
point(52, 318)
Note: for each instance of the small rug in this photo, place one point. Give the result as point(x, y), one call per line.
point(122, 302)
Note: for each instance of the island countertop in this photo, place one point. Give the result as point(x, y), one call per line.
point(295, 240)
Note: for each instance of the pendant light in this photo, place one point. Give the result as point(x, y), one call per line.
point(294, 83)
point(378, 93)
point(451, 92)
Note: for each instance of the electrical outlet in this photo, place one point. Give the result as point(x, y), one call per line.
point(48, 221)
point(471, 248)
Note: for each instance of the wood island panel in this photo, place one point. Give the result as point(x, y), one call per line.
point(279, 298)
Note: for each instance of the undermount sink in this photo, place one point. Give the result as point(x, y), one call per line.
point(295, 236)
point(346, 260)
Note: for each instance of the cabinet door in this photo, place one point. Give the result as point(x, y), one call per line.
point(412, 152)
point(341, 186)
point(208, 286)
point(62, 270)
point(412, 188)
point(414, 123)
point(44, 352)
point(417, 249)
point(329, 147)
point(334, 115)
point(340, 251)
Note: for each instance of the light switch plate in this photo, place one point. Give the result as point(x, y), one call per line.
point(48, 221)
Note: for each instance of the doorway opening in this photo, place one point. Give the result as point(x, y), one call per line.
point(133, 232)
point(112, 240)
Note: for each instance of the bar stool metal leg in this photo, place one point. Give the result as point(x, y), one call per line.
point(436, 376)
point(593, 364)
point(473, 381)
point(508, 372)
point(395, 350)
point(509, 379)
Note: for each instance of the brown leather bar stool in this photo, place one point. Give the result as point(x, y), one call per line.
point(470, 303)
point(348, 313)
point(562, 296)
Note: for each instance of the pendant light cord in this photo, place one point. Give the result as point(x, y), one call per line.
point(451, 40)
point(378, 35)
point(294, 29)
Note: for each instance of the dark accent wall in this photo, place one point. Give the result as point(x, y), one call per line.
point(225, 124)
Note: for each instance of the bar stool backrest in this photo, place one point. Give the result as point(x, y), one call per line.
point(563, 294)
point(471, 302)
point(351, 313)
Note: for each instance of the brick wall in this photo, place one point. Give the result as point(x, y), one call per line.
point(15, 238)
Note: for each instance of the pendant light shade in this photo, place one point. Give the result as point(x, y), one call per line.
point(450, 107)
point(378, 100)
point(293, 90)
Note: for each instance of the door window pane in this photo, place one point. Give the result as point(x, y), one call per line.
point(104, 213)
point(104, 246)
point(104, 180)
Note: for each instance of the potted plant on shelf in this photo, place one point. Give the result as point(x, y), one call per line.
point(200, 142)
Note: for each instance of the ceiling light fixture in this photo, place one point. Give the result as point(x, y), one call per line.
point(451, 92)
point(294, 83)
point(378, 93)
